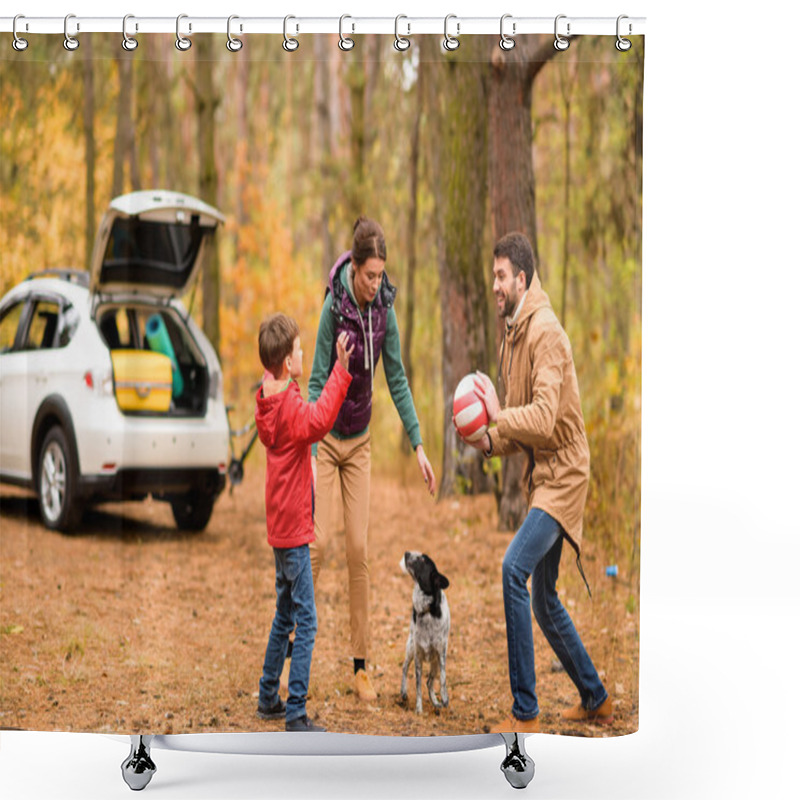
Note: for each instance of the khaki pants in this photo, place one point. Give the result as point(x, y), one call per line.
point(349, 461)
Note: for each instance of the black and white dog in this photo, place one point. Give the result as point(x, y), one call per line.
point(429, 629)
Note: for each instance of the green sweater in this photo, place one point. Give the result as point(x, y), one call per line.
point(392, 366)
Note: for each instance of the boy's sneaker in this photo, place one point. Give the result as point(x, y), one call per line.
point(275, 711)
point(303, 725)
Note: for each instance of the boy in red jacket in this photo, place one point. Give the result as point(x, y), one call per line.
point(287, 426)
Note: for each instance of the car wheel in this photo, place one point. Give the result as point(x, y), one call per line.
point(192, 511)
point(56, 482)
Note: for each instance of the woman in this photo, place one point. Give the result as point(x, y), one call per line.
point(360, 302)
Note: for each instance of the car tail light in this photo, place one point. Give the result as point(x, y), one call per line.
point(101, 382)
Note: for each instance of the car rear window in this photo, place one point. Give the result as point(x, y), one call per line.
point(145, 252)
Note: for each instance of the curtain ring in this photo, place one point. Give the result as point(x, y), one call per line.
point(560, 42)
point(290, 44)
point(400, 42)
point(128, 42)
point(345, 42)
point(70, 42)
point(181, 42)
point(622, 45)
point(450, 42)
point(18, 44)
point(506, 42)
point(233, 44)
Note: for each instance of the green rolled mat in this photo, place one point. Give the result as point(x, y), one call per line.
point(157, 337)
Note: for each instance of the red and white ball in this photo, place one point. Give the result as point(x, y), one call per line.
point(469, 412)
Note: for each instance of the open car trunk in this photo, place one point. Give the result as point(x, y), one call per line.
point(148, 251)
point(158, 368)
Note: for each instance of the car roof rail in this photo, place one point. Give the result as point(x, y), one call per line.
point(79, 276)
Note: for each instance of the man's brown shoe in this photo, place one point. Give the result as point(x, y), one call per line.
point(602, 715)
point(513, 725)
point(363, 686)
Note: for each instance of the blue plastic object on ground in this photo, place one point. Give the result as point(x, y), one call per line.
point(158, 338)
point(611, 571)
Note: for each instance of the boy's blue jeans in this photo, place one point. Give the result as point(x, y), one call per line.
point(294, 609)
point(536, 550)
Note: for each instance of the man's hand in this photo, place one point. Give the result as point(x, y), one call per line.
point(314, 471)
point(481, 444)
point(426, 469)
point(485, 390)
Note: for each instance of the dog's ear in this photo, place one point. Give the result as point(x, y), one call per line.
point(443, 582)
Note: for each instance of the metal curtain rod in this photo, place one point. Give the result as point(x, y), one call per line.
point(74, 25)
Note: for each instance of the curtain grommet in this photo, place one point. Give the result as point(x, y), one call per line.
point(70, 42)
point(560, 43)
point(19, 44)
point(181, 42)
point(507, 42)
point(401, 43)
point(129, 43)
point(449, 42)
point(345, 42)
point(623, 45)
point(290, 44)
point(233, 44)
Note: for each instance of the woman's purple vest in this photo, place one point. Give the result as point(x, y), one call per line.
point(356, 410)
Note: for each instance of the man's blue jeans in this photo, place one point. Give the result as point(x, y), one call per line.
point(536, 550)
point(294, 606)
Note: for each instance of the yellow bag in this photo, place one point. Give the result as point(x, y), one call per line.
point(142, 380)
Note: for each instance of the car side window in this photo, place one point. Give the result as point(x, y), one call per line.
point(43, 326)
point(9, 322)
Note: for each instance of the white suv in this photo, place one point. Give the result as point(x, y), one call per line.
point(108, 389)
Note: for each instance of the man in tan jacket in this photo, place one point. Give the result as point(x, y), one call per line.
point(542, 418)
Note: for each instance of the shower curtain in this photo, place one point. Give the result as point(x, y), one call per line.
point(128, 622)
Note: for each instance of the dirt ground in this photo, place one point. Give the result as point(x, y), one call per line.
point(130, 626)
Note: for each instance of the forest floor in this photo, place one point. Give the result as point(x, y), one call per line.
point(129, 626)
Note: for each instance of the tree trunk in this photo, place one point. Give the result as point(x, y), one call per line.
point(411, 247)
point(152, 136)
point(512, 193)
point(322, 117)
point(459, 111)
point(89, 145)
point(356, 79)
point(566, 84)
point(373, 69)
point(123, 138)
point(241, 147)
point(207, 102)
